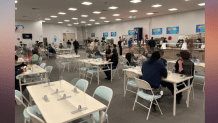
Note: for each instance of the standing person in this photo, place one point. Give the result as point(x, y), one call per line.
point(130, 43)
point(142, 42)
point(111, 58)
point(120, 44)
point(18, 70)
point(146, 41)
point(76, 46)
point(61, 46)
point(152, 44)
point(183, 66)
point(114, 49)
point(68, 44)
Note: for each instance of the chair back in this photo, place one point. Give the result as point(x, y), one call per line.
point(131, 75)
point(42, 65)
point(104, 92)
point(33, 116)
point(142, 84)
point(40, 59)
point(74, 81)
point(18, 98)
point(49, 69)
point(82, 84)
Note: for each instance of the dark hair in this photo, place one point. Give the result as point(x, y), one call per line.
point(50, 44)
point(185, 54)
point(16, 57)
point(152, 38)
point(109, 46)
point(156, 55)
point(114, 45)
point(161, 52)
point(108, 52)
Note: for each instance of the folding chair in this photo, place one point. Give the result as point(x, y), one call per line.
point(130, 81)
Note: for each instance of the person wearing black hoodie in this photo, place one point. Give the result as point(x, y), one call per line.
point(152, 44)
point(76, 46)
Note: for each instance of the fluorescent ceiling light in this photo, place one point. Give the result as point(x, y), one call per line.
point(74, 18)
point(60, 22)
point(67, 20)
point(47, 19)
point(106, 21)
point(133, 11)
point(112, 7)
point(91, 20)
point(118, 19)
point(157, 5)
point(82, 22)
point(116, 14)
point(89, 24)
point(201, 4)
point(54, 16)
point(84, 15)
point(135, 1)
point(16, 1)
point(61, 13)
point(149, 13)
point(72, 9)
point(132, 16)
point(102, 17)
point(187, 0)
point(75, 23)
point(43, 21)
point(96, 12)
point(86, 3)
point(69, 24)
point(97, 23)
point(173, 9)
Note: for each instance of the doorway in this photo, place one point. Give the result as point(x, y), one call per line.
point(68, 36)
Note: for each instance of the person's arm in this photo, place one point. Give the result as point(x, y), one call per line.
point(177, 67)
point(17, 72)
point(163, 71)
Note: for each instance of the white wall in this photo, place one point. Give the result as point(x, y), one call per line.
point(35, 28)
point(186, 21)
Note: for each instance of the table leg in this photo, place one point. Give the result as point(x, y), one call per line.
point(124, 83)
point(20, 84)
point(174, 102)
point(188, 93)
point(111, 72)
point(100, 117)
point(46, 77)
point(30, 98)
point(98, 74)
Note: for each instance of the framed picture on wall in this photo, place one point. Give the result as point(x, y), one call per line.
point(92, 34)
point(172, 30)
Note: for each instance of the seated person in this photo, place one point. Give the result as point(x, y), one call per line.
point(183, 66)
point(89, 52)
point(147, 52)
point(36, 50)
point(152, 72)
point(61, 46)
point(50, 49)
point(111, 58)
point(162, 60)
point(108, 48)
point(18, 70)
point(131, 58)
point(97, 52)
point(114, 49)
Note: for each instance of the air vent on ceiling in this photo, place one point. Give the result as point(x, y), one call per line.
point(25, 16)
point(35, 8)
point(104, 10)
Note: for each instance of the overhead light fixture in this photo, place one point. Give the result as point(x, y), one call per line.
point(54, 16)
point(84, 15)
point(74, 18)
point(106, 21)
point(132, 16)
point(69, 24)
point(67, 20)
point(47, 19)
point(112, 7)
point(82, 22)
point(102, 17)
point(201, 4)
point(156, 5)
point(135, 1)
point(116, 14)
point(43, 21)
point(86, 3)
point(76, 23)
point(96, 12)
point(61, 13)
point(187, 0)
point(97, 23)
point(133, 11)
point(72, 9)
point(89, 24)
point(60, 22)
point(149, 13)
point(91, 20)
point(117, 19)
point(16, 1)
point(173, 9)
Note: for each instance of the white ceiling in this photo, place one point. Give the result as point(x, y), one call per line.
point(52, 7)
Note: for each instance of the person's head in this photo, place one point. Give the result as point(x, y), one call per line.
point(132, 51)
point(147, 48)
point(49, 45)
point(152, 38)
point(36, 45)
point(108, 47)
point(37, 42)
point(156, 55)
point(161, 53)
point(114, 45)
point(130, 39)
point(16, 59)
point(108, 53)
point(185, 55)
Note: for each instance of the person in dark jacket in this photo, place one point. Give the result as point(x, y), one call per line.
point(76, 46)
point(120, 47)
point(18, 70)
point(61, 46)
point(183, 66)
point(68, 44)
point(131, 58)
point(162, 60)
point(111, 58)
point(152, 44)
point(114, 49)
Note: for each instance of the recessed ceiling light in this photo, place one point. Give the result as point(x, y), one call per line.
point(96, 12)
point(74, 18)
point(54, 16)
point(112, 7)
point(82, 22)
point(86, 3)
point(187, 0)
point(116, 14)
point(72, 9)
point(16, 1)
point(149, 13)
point(91, 20)
point(69, 24)
point(43, 21)
point(106, 21)
point(60, 22)
point(97, 23)
point(76, 23)
point(157, 5)
point(89, 24)
point(133, 11)
point(84, 15)
point(117, 19)
point(135, 1)
point(173, 9)
point(201, 4)
point(67, 20)
point(102, 17)
point(61, 13)
point(47, 19)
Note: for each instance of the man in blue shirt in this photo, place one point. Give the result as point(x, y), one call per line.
point(130, 43)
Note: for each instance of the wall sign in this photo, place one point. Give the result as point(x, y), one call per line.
point(113, 34)
point(200, 28)
point(172, 30)
point(131, 32)
point(105, 34)
point(92, 34)
point(19, 28)
point(55, 38)
point(157, 31)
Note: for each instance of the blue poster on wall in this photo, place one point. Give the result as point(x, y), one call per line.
point(173, 30)
point(105, 34)
point(200, 28)
point(113, 34)
point(131, 32)
point(157, 31)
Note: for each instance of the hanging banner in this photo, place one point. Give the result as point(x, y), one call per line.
point(19, 28)
point(200, 28)
point(173, 30)
point(131, 32)
point(105, 34)
point(113, 34)
point(55, 38)
point(92, 34)
point(157, 31)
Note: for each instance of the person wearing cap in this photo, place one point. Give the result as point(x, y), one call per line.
point(183, 66)
point(152, 72)
point(111, 58)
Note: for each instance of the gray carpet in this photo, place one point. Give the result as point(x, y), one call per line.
point(120, 110)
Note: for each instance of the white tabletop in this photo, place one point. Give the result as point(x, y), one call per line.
point(69, 56)
point(56, 111)
point(63, 49)
point(95, 62)
point(21, 60)
point(35, 69)
point(196, 64)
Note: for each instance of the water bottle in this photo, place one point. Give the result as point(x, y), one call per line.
point(174, 70)
point(194, 58)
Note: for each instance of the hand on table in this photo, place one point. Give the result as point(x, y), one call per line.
point(23, 69)
point(109, 60)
